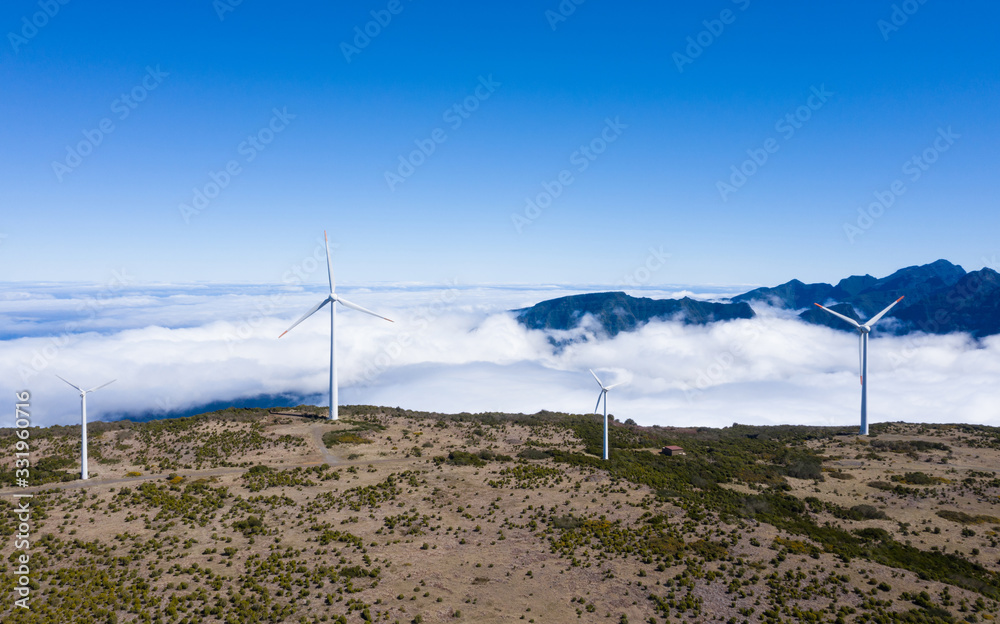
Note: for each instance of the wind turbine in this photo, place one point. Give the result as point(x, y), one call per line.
point(863, 330)
point(333, 299)
point(83, 421)
point(603, 395)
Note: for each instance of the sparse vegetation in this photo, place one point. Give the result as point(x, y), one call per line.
point(757, 524)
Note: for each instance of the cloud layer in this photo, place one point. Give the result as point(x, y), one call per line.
point(454, 349)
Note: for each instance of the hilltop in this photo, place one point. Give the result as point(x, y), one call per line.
point(391, 515)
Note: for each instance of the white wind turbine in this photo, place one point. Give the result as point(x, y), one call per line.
point(863, 330)
point(604, 395)
point(333, 299)
point(83, 421)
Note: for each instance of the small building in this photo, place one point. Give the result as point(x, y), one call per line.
point(672, 450)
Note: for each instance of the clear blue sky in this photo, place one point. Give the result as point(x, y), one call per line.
point(891, 92)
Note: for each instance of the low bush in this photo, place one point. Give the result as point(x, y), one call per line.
point(462, 458)
point(963, 518)
point(534, 453)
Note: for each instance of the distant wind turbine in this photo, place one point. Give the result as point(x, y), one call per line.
point(333, 299)
point(863, 330)
point(83, 421)
point(603, 395)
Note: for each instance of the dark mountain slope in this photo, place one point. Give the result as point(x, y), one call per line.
point(617, 312)
point(971, 305)
point(940, 298)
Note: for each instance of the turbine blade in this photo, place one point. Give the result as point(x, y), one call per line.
point(838, 314)
point(74, 385)
point(614, 385)
point(355, 306)
point(102, 385)
point(329, 265)
point(599, 396)
point(876, 318)
point(307, 315)
point(599, 382)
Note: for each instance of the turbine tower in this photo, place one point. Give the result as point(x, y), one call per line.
point(333, 299)
point(603, 395)
point(83, 421)
point(863, 330)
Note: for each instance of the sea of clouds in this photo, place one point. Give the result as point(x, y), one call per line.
point(456, 348)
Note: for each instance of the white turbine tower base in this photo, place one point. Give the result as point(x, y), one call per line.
point(333, 300)
point(604, 395)
point(863, 330)
point(83, 421)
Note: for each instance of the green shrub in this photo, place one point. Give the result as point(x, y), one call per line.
point(567, 522)
point(873, 534)
point(963, 518)
point(252, 525)
point(805, 469)
point(534, 453)
point(917, 478)
point(347, 437)
point(867, 512)
point(462, 458)
point(839, 474)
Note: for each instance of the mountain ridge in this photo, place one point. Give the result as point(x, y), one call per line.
point(617, 312)
point(939, 298)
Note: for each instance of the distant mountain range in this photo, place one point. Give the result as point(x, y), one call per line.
point(940, 298)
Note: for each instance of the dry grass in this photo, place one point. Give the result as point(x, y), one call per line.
point(480, 541)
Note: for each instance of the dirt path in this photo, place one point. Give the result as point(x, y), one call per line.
point(317, 430)
point(320, 454)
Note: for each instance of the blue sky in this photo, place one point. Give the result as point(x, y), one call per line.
point(891, 93)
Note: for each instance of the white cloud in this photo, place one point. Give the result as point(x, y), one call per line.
point(456, 349)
